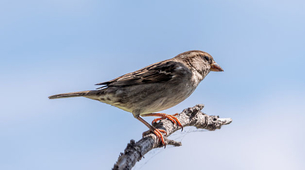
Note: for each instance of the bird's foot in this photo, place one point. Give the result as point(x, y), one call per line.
point(172, 118)
point(158, 133)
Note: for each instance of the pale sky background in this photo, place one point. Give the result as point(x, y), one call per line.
point(55, 46)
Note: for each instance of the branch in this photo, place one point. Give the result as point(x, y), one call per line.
point(191, 116)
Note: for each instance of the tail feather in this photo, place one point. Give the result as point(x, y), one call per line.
point(76, 94)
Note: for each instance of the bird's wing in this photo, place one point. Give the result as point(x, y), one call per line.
point(155, 73)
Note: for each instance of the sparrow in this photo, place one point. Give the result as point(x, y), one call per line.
point(154, 88)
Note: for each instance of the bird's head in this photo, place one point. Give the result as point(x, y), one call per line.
point(200, 61)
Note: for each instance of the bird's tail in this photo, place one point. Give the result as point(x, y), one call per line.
point(87, 93)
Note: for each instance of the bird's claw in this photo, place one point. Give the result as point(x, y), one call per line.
point(159, 135)
point(172, 118)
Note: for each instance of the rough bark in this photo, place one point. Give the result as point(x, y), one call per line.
point(188, 117)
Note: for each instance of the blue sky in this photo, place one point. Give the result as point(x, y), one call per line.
point(49, 47)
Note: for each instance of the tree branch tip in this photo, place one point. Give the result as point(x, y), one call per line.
point(172, 142)
point(225, 121)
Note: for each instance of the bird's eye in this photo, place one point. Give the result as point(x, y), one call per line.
point(206, 58)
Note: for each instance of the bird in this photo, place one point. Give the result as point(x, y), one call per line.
point(154, 88)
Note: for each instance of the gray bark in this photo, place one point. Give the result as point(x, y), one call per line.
point(188, 117)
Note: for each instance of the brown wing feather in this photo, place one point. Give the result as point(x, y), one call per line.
point(156, 73)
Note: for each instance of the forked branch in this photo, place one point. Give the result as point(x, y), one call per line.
point(188, 117)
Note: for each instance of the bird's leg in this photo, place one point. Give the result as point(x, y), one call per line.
point(172, 118)
point(157, 132)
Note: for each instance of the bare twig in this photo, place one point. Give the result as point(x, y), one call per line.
point(188, 117)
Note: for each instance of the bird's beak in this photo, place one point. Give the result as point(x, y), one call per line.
point(216, 67)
